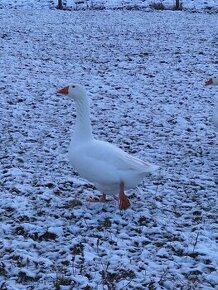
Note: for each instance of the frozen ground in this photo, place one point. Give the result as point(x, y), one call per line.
point(196, 5)
point(199, 5)
point(145, 74)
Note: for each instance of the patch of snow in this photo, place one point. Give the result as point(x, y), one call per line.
point(144, 73)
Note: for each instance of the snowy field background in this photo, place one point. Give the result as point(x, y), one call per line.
point(193, 5)
point(145, 75)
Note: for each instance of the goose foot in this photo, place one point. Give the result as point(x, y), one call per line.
point(101, 198)
point(124, 202)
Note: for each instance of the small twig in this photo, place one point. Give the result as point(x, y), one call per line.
point(104, 275)
point(73, 264)
point(124, 287)
point(156, 189)
point(196, 241)
point(163, 275)
point(97, 244)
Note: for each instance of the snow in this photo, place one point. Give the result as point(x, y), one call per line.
point(132, 4)
point(145, 74)
point(194, 5)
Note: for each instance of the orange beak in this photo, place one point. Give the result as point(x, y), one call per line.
point(64, 91)
point(209, 82)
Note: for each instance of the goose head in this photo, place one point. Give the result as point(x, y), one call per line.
point(75, 92)
point(212, 81)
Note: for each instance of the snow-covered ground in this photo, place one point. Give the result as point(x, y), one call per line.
point(196, 5)
point(131, 4)
point(145, 75)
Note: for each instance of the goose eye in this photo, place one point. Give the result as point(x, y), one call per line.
point(73, 87)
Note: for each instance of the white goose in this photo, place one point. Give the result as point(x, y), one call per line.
point(111, 169)
point(214, 81)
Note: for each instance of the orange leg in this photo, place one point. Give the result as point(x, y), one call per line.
point(124, 202)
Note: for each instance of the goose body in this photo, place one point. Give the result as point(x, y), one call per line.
point(106, 166)
point(110, 168)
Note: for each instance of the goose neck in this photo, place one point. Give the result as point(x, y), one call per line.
point(83, 129)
